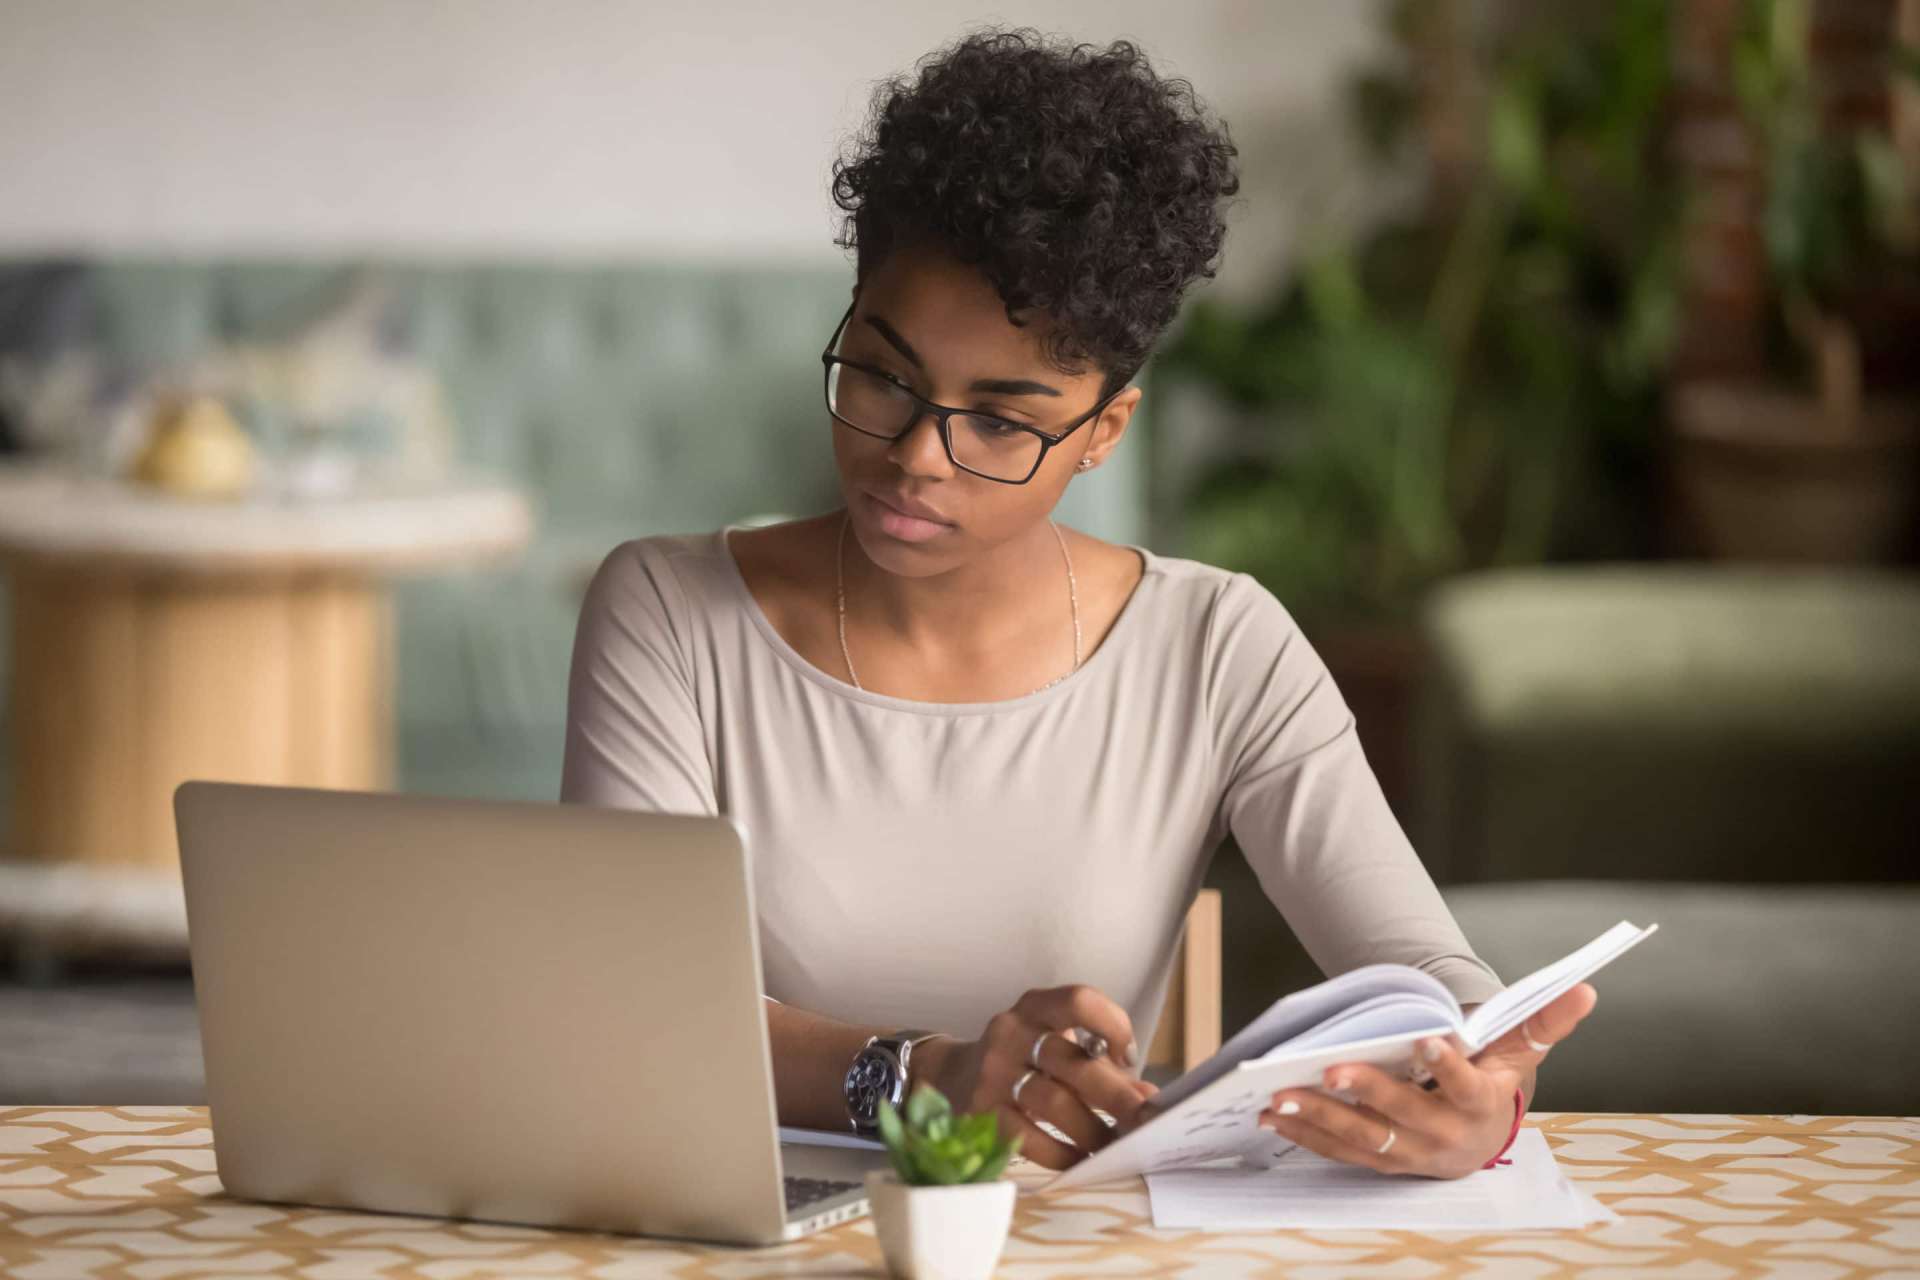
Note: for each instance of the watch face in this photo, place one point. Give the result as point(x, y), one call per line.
point(875, 1075)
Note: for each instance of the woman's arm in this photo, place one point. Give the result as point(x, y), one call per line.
point(1309, 815)
point(634, 738)
point(811, 1054)
point(635, 741)
point(1298, 795)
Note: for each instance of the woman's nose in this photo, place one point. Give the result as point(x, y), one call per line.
point(919, 449)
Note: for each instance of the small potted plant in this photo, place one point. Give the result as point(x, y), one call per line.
point(942, 1211)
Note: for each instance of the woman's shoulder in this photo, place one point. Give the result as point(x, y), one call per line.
point(658, 575)
point(650, 558)
point(779, 549)
point(684, 576)
point(1222, 601)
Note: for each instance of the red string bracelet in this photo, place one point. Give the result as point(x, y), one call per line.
point(1519, 1111)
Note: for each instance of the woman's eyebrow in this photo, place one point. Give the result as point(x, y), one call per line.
point(996, 386)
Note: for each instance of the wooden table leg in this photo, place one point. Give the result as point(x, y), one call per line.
point(126, 683)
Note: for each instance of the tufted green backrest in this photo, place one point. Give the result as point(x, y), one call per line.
point(640, 397)
point(627, 397)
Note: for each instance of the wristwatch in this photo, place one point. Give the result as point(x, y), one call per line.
point(879, 1071)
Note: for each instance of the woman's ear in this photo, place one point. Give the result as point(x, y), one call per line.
point(1109, 427)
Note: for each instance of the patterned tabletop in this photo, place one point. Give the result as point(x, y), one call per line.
point(131, 1193)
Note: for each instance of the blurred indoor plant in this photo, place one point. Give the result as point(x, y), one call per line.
point(1803, 463)
point(1463, 386)
point(942, 1211)
point(1472, 383)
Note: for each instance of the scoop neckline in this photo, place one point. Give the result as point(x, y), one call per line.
point(1093, 663)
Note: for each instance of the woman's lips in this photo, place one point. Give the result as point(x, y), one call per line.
point(898, 524)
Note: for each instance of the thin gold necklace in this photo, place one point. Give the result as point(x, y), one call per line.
point(840, 600)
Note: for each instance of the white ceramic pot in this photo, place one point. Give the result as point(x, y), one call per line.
point(940, 1233)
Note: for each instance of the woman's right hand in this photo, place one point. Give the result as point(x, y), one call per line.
point(979, 1075)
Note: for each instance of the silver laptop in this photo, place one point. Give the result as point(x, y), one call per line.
point(513, 1012)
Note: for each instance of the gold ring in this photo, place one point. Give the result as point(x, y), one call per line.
point(1020, 1083)
point(1386, 1146)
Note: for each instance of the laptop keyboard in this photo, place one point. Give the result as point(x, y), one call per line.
point(805, 1191)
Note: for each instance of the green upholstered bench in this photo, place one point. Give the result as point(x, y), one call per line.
point(1673, 722)
point(1734, 753)
point(1751, 997)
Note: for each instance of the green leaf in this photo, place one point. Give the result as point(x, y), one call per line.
point(1514, 135)
point(936, 1167)
point(894, 1135)
point(892, 1132)
point(925, 1105)
point(994, 1165)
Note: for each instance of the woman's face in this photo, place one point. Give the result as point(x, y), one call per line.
point(939, 327)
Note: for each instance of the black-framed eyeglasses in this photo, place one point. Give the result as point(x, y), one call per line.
point(875, 403)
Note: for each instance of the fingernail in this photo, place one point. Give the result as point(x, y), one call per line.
point(1430, 1050)
point(1342, 1082)
point(1133, 1053)
point(1288, 1108)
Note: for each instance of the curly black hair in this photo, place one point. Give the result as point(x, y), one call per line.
point(1083, 185)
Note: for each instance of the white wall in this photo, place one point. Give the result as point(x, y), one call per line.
point(563, 126)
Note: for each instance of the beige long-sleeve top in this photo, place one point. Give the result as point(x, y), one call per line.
point(922, 864)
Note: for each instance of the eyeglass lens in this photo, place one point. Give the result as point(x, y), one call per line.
point(880, 407)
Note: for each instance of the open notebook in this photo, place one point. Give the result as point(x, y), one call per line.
point(1373, 1015)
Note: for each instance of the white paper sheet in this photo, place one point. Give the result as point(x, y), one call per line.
point(1304, 1190)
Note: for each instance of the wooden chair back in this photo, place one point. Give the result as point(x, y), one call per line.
point(1189, 1030)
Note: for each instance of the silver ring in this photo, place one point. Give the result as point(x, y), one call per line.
point(1387, 1146)
point(1033, 1054)
point(1091, 1043)
point(1020, 1083)
point(1532, 1044)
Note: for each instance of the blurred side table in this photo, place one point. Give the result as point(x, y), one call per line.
point(156, 639)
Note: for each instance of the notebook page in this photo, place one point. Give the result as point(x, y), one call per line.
point(1291, 1015)
point(1545, 985)
point(1386, 1015)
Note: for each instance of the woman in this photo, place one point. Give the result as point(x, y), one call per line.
point(984, 760)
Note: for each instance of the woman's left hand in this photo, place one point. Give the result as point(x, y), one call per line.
point(1398, 1127)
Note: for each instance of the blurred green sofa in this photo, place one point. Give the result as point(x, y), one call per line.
point(1733, 753)
point(628, 398)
